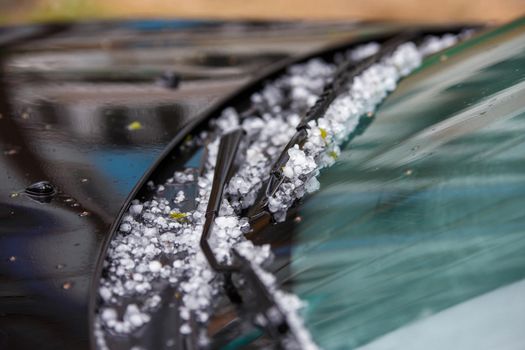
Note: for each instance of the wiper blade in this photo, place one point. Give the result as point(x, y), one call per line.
point(255, 301)
point(343, 75)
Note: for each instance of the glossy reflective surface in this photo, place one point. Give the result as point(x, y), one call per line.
point(417, 235)
point(88, 109)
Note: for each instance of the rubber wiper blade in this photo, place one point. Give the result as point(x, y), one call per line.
point(256, 302)
point(342, 77)
point(262, 309)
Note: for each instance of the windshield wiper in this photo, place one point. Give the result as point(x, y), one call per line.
point(343, 75)
point(255, 301)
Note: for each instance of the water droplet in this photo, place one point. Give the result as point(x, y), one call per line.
point(370, 114)
point(11, 152)
point(170, 79)
point(84, 213)
point(84, 180)
point(408, 172)
point(68, 200)
point(67, 285)
point(12, 258)
point(41, 188)
point(14, 195)
point(297, 219)
point(41, 191)
point(75, 205)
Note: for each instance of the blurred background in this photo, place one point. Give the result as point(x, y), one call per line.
point(17, 11)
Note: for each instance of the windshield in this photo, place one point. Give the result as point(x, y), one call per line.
point(416, 238)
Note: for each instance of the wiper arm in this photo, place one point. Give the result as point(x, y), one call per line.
point(228, 149)
point(343, 75)
point(255, 301)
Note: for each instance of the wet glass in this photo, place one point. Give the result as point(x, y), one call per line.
point(417, 236)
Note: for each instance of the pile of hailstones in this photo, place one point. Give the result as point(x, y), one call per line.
point(157, 228)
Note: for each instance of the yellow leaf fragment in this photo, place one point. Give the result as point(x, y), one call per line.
point(323, 133)
point(134, 126)
point(181, 217)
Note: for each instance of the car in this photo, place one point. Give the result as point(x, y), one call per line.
point(187, 185)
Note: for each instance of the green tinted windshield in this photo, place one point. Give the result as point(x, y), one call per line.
point(417, 237)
